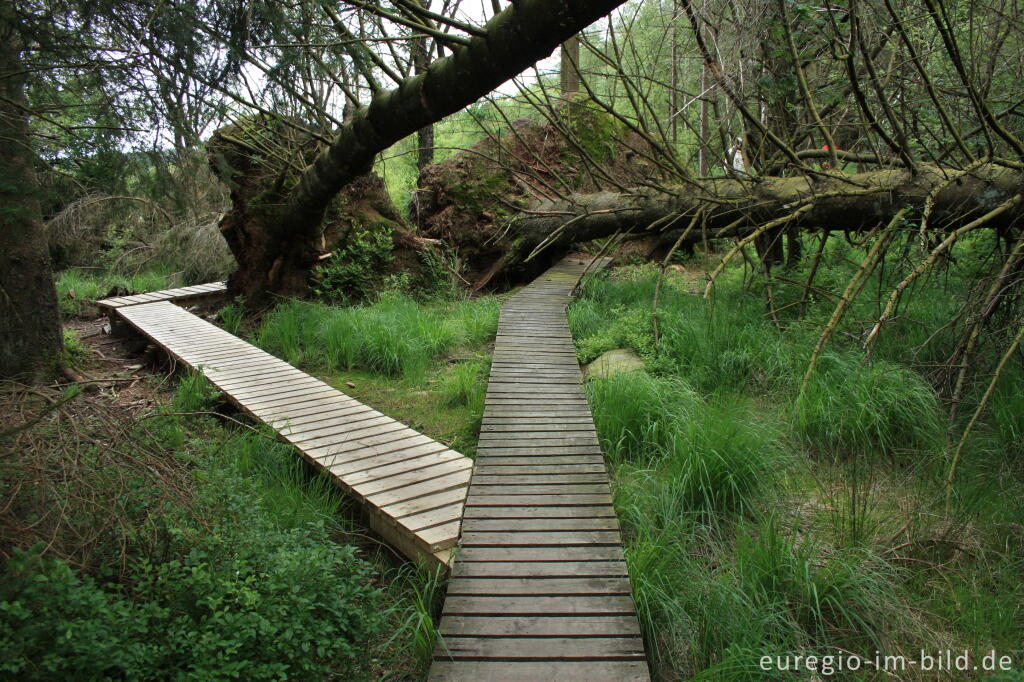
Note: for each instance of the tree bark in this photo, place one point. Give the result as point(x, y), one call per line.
point(569, 68)
point(420, 62)
point(735, 207)
point(30, 334)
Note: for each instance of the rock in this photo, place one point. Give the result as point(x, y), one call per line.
point(350, 384)
point(615, 361)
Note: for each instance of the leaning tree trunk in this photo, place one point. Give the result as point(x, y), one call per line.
point(272, 246)
point(30, 335)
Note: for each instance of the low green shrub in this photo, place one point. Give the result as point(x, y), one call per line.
point(248, 601)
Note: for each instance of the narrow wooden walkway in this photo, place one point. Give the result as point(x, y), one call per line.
point(411, 487)
point(539, 588)
point(179, 295)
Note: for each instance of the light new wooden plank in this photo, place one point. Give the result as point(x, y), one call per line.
point(425, 476)
point(456, 480)
point(426, 503)
point(341, 466)
point(434, 517)
point(405, 465)
point(374, 449)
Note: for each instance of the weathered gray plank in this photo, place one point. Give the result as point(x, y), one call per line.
point(538, 671)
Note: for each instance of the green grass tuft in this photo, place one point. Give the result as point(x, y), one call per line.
point(393, 337)
point(853, 407)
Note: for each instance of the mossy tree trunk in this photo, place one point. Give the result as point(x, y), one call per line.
point(736, 207)
point(30, 335)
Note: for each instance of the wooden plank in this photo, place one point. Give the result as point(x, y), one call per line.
point(533, 605)
point(579, 511)
point(425, 476)
point(403, 466)
point(532, 461)
point(522, 586)
point(536, 500)
point(541, 524)
point(540, 569)
point(539, 626)
point(339, 453)
point(542, 648)
point(196, 291)
point(370, 446)
point(425, 503)
point(485, 467)
point(440, 537)
point(452, 481)
point(538, 671)
point(484, 478)
point(344, 467)
point(520, 538)
point(428, 519)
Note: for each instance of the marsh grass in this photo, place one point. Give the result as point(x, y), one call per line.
point(694, 456)
point(78, 290)
point(393, 337)
point(761, 522)
point(853, 407)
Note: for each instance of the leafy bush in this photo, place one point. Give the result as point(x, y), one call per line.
point(354, 269)
point(249, 601)
point(55, 623)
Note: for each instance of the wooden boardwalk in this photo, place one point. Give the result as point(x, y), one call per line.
point(411, 487)
point(179, 295)
point(539, 588)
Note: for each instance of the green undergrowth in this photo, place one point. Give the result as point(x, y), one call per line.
point(394, 337)
point(78, 290)
point(761, 522)
point(248, 567)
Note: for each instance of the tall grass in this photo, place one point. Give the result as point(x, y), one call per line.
point(78, 289)
point(726, 346)
point(693, 457)
point(742, 540)
point(394, 336)
point(853, 407)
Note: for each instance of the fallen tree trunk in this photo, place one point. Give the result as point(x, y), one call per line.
point(736, 207)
